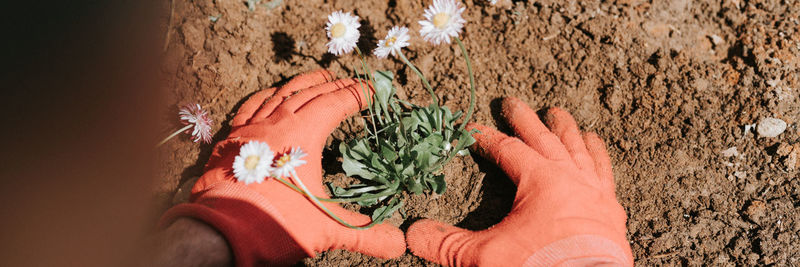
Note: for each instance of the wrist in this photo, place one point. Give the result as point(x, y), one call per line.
point(252, 227)
point(581, 250)
point(188, 242)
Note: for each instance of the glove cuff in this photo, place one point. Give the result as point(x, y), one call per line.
point(252, 227)
point(580, 250)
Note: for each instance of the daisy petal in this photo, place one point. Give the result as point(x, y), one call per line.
point(342, 29)
point(442, 22)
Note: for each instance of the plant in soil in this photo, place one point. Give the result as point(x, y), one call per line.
point(404, 146)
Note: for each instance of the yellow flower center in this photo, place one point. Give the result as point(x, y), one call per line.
point(338, 30)
point(283, 160)
point(251, 162)
point(390, 41)
point(440, 20)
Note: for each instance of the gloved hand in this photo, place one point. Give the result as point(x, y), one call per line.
point(268, 223)
point(565, 211)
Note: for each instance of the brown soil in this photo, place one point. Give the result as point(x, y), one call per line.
point(667, 84)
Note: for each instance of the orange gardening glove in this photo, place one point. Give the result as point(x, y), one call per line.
point(268, 223)
point(565, 211)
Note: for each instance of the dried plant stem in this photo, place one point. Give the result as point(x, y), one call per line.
point(325, 209)
point(169, 24)
point(187, 127)
point(421, 77)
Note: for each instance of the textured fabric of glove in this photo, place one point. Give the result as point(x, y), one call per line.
point(268, 223)
point(565, 211)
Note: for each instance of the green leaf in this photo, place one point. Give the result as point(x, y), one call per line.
point(456, 116)
point(438, 185)
point(410, 123)
point(414, 186)
point(409, 170)
point(428, 150)
point(368, 202)
point(383, 87)
point(378, 214)
point(382, 213)
point(423, 159)
point(388, 152)
point(436, 116)
point(465, 139)
point(351, 164)
point(376, 163)
point(362, 149)
point(356, 189)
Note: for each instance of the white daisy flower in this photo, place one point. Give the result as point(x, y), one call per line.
point(342, 29)
point(442, 21)
point(396, 39)
point(195, 116)
point(254, 162)
point(284, 166)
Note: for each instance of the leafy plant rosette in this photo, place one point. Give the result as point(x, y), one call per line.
point(404, 149)
point(404, 146)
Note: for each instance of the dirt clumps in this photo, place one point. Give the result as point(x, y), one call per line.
point(667, 84)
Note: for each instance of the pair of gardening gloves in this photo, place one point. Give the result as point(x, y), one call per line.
point(565, 211)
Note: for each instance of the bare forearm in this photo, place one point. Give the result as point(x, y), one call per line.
point(188, 242)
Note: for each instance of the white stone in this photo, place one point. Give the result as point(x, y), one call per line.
point(730, 152)
point(771, 127)
point(773, 83)
point(747, 128)
point(716, 39)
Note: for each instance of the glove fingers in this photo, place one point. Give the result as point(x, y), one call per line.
point(442, 243)
point(326, 111)
point(300, 82)
point(602, 163)
point(511, 154)
point(383, 240)
point(251, 106)
point(564, 126)
point(305, 95)
point(531, 130)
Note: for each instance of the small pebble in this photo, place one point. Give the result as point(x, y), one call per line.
point(773, 82)
point(730, 152)
point(791, 161)
point(784, 149)
point(727, 164)
point(716, 39)
point(747, 128)
point(771, 127)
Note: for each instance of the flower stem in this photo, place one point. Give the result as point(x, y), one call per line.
point(421, 77)
point(369, 103)
point(368, 74)
point(471, 100)
point(325, 209)
point(187, 127)
point(471, 85)
point(369, 106)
